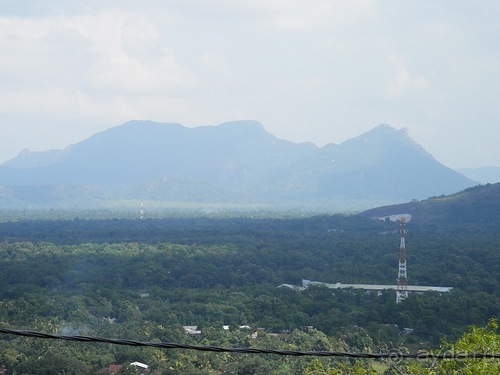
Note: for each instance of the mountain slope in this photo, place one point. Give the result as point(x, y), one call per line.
point(236, 162)
point(381, 163)
point(141, 150)
point(474, 206)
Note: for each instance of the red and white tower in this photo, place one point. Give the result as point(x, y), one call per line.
point(402, 287)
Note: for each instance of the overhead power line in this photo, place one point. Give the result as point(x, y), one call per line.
point(393, 355)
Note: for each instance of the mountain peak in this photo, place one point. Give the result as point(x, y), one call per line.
point(386, 137)
point(380, 134)
point(384, 130)
point(246, 124)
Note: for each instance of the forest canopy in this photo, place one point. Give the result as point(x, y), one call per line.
point(146, 279)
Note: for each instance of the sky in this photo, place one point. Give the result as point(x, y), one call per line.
point(320, 71)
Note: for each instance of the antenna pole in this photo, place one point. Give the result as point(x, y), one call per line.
point(141, 211)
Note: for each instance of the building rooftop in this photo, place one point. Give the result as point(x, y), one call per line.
point(410, 288)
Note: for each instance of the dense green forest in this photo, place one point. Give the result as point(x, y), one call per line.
point(146, 279)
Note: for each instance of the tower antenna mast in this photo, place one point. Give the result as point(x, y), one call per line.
point(402, 287)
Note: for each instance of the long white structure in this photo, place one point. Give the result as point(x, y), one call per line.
point(410, 288)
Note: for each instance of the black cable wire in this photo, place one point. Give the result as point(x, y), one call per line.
point(393, 355)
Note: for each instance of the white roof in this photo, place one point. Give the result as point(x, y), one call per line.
point(139, 364)
point(410, 288)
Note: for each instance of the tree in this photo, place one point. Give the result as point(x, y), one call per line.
point(316, 367)
point(477, 340)
point(251, 366)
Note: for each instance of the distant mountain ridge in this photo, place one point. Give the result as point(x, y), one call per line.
point(142, 150)
point(235, 162)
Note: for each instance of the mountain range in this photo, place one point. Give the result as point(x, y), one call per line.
point(236, 163)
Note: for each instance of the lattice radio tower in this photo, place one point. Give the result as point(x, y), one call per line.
point(402, 287)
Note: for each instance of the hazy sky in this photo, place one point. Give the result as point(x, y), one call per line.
point(309, 70)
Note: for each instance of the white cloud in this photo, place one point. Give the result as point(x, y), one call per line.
point(319, 14)
point(111, 51)
point(283, 15)
point(404, 80)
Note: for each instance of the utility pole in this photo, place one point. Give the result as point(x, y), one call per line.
point(402, 287)
point(141, 211)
